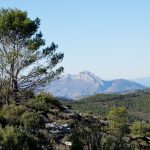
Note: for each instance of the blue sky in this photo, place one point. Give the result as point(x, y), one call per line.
point(108, 37)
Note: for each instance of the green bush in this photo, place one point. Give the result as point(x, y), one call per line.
point(140, 129)
point(12, 113)
point(43, 101)
point(108, 142)
point(117, 117)
point(38, 105)
point(48, 99)
point(14, 139)
point(30, 119)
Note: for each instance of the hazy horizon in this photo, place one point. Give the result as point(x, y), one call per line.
point(109, 38)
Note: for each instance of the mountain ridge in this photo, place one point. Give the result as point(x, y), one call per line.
point(87, 83)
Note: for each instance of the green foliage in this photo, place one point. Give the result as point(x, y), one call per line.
point(86, 137)
point(12, 113)
point(48, 99)
point(3, 94)
point(30, 119)
point(20, 124)
point(17, 18)
point(21, 47)
point(140, 129)
point(27, 130)
point(137, 104)
point(117, 117)
point(38, 105)
point(43, 102)
point(14, 139)
point(78, 138)
point(108, 142)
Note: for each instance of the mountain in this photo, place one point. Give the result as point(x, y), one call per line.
point(86, 83)
point(144, 81)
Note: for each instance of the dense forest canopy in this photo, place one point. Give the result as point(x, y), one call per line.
point(137, 104)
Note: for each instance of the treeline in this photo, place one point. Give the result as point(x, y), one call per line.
point(137, 104)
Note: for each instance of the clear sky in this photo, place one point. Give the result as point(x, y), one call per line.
point(111, 38)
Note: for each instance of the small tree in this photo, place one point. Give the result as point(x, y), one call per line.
point(117, 118)
point(118, 126)
point(24, 62)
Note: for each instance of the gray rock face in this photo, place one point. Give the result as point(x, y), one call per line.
point(86, 83)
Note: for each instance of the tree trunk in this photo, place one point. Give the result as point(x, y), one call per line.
point(15, 90)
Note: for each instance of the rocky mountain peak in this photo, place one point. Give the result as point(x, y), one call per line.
point(87, 83)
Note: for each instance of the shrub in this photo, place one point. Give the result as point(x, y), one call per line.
point(14, 138)
point(140, 129)
point(38, 105)
point(12, 113)
point(117, 120)
point(43, 101)
point(30, 119)
point(48, 99)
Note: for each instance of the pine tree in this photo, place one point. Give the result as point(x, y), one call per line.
point(25, 61)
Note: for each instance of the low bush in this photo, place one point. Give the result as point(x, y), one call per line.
point(43, 102)
point(38, 105)
point(48, 99)
point(30, 119)
point(12, 138)
point(140, 129)
point(12, 113)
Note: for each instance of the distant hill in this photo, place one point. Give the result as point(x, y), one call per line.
point(86, 83)
point(137, 104)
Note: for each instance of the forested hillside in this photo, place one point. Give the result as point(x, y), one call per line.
point(137, 104)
